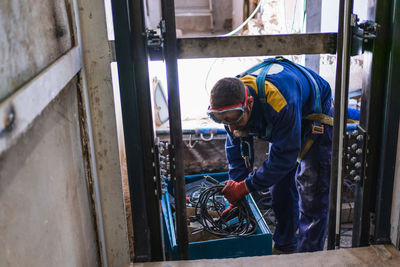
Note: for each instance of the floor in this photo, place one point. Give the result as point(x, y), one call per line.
point(378, 255)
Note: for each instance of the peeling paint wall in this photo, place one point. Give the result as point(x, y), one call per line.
point(45, 216)
point(33, 33)
point(46, 212)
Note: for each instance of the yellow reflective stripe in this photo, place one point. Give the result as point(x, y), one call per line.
point(274, 97)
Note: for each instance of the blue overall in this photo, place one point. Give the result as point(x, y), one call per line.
point(304, 187)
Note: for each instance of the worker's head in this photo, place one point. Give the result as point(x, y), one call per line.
point(230, 103)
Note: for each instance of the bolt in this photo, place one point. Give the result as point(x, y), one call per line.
point(357, 178)
point(353, 172)
point(354, 133)
point(359, 151)
point(353, 159)
point(357, 165)
point(354, 146)
point(360, 137)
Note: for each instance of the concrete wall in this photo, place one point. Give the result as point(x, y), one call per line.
point(45, 216)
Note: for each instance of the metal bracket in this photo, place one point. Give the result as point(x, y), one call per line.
point(162, 165)
point(155, 41)
point(363, 33)
point(354, 158)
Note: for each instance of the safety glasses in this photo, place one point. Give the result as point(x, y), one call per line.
point(228, 115)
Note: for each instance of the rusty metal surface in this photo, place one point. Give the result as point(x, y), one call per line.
point(34, 96)
point(33, 33)
point(260, 45)
point(45, 216)
point(105, 125)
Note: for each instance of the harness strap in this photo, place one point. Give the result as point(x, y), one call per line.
point(321, 118)
point(317, 117)
point(305, 149)
point(325, 119)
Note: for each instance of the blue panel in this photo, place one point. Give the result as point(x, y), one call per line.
point(255, 245)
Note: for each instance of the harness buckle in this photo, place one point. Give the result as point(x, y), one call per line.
point(317, 128)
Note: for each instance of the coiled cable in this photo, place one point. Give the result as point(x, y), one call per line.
point(239, 221)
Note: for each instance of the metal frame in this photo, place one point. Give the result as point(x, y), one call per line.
point(263, 45)
point(390, 125)
point(177, 168)
point(132, 133)
point(260, 45)
point(341, 95)
point(141, 76)
point(393, 119)
point(376, 62)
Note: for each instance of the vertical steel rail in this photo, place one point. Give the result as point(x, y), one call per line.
point(133, 139)
point(340, 118)
point(375, 76)
point(177, 171)
point(141, 75)
point(389, 33)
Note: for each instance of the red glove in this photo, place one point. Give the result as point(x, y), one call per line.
point(228, 209)
point(234, 191)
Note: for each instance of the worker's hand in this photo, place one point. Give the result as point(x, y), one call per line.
point(227, 210)
point(234, 191)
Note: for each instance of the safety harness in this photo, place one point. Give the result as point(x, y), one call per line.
point(318, 118)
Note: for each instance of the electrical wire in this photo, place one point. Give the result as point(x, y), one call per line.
point(260, 3)
point(239, 221)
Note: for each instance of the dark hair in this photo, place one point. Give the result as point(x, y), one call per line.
point(227, 91)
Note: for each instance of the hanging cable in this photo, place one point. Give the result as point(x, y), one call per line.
point(260, 3)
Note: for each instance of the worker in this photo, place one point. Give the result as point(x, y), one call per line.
point(274, 105)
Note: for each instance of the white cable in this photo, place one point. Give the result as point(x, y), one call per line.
point(246, 21)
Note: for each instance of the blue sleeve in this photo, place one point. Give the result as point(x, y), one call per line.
point(286, 145)
point(353, 114)
point(237, 168)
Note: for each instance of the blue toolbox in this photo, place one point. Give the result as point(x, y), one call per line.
point(257, 244)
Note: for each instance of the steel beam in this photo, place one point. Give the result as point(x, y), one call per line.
point(260, 45)
point(177, 167)
point(140, 60)
point(390, 125)
point(340, 119)
point(371, 119)
point(133, 136)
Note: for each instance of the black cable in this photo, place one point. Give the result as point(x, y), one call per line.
point(239, 221)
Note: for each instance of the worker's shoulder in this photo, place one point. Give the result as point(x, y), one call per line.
point(273, 95)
